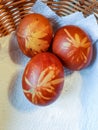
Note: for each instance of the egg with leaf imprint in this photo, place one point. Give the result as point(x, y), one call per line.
point(43, 79)
point(34, 34)
point(73, 46)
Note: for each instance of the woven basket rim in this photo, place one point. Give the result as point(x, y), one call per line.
point(9, 20)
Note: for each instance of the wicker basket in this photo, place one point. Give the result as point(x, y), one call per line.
point(11, 11)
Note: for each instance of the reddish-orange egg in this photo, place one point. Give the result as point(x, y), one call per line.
point(43, 79)
point(34, 34)
point(73, 46)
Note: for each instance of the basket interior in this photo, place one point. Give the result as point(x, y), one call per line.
point(12, 11)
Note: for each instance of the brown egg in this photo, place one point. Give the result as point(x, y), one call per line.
point(73, 46)
point(43, 79)
point(34, 34)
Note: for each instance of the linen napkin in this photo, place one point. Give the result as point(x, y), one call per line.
point(77, 106)
point(76, 18)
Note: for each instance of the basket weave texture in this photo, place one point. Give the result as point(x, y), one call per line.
point(12, 11)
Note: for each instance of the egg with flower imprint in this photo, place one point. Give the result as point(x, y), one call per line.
point(73, 46)
point(34, 34)
point(43, 79)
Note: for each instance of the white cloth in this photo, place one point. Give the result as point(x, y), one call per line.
point(75, 109)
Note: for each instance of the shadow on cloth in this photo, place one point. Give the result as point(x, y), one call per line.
point(16, 95)
point(15, 53)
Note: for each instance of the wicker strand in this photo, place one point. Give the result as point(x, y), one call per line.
point(12, 11)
